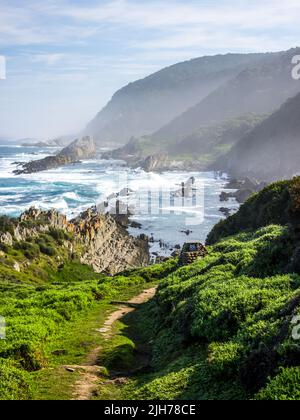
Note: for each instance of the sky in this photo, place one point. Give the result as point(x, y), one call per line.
point(65, 59)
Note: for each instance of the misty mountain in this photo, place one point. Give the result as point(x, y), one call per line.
point(203, 147)
point(260, 89)
point(270, 151)
point(146, 105)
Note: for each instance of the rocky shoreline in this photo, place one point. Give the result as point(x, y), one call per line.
point(83, 148)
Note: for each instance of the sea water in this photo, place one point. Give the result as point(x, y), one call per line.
point(74, 188)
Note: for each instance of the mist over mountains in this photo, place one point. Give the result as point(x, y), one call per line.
point(261, 88)
point(272, 149)
point(144, 106)
point(220, 111)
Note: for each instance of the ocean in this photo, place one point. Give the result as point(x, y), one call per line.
point(74, 188)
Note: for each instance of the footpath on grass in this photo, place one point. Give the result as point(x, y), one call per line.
point(90, 372)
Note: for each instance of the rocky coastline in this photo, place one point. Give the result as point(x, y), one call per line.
point(96, 240)
point(83, 148)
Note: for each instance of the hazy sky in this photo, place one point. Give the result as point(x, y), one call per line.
point(66, 58)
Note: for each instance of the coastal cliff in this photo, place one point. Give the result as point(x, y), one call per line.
point(93, 239)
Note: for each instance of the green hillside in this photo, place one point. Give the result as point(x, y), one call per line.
point(221, 328)
point(144, 106)
point(271, 150)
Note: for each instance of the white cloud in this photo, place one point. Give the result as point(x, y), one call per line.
point(62, 21)
point(75, 54)
point(47, 59)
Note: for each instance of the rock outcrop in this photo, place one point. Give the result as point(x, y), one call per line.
point(103, 243)
point(83, 148)
point(244, 189)
point(109, 248)
point(155, 162)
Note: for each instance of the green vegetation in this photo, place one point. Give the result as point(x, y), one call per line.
point(276, 204)
point(208, 144)
point(44, 300)
point(204, 147)
point(221, 328)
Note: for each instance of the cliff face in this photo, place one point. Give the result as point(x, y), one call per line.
point(83, 148)
point(101, 241)
point(109, 248)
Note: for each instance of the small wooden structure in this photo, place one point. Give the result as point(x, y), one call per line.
point(191, 252)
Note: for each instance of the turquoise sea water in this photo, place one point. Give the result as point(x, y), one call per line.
point(75, 188)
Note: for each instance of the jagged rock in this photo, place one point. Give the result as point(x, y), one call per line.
point(245, 188)
point(225, 211)
point(175, 254)
point(17, 267)
point(83, 148)
point(109, 247)
point(51, 217)
point(155, 163)
point(105, 244)
point(136, 225)
point(6, 239)
point(36, 144)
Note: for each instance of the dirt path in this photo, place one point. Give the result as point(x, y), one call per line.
point(90, 371)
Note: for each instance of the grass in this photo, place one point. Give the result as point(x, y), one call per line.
point(52, 310)
point(218, 329)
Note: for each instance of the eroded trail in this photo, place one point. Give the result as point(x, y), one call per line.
point(90, 372)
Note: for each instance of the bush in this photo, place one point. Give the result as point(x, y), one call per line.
point(236, 304)
point(7, 224)
point(47, 250)
point(285, 386)
point(13, 382)
point(273, 205)
point(30, 251)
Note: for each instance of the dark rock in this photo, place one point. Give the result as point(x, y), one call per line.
point(144, 237)
point(225, 211)
point(136, 225)
point(80, 149)
point(187, 232)
point(105, 244)
point(175, 254)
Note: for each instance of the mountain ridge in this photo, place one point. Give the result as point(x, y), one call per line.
point(142, 107)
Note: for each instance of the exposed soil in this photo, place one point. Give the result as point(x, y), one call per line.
point(90, 372)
